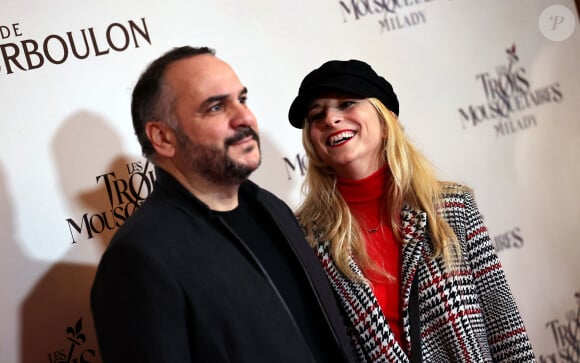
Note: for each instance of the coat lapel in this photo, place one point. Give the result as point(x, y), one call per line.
point(414, 234)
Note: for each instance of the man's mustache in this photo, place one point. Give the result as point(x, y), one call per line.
point(241, 133)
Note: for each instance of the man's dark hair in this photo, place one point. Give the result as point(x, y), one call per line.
point(148, 101)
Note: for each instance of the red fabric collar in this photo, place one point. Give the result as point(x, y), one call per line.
point(362, 190)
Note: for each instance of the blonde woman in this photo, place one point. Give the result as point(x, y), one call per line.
point(408, 256)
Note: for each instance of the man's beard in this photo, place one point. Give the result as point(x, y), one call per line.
point(212, 162)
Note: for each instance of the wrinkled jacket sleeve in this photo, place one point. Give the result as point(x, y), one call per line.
point(136, 309)
point(505, 329)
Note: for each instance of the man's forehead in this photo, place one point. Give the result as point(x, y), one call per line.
point(196, 64)
point(205, 74)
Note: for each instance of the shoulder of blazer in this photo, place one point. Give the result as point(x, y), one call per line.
point(455, 195)
point(253, 191)
point(451, 188)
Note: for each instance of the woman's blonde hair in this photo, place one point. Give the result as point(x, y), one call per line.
point(324, 214)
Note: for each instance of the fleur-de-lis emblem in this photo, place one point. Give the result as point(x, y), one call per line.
point(512, 56)
point(74, 334)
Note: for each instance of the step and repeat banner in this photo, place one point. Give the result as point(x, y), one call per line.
point(489, 91)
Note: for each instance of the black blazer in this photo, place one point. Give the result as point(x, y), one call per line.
point(175, 285)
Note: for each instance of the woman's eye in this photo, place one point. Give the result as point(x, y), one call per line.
point(346, 104)
point(314, 117)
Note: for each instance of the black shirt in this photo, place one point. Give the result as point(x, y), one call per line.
point(260, 234)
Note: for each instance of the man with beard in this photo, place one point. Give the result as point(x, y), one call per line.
point(211, 268)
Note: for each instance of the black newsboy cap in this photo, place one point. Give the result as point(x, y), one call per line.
point(353, 76)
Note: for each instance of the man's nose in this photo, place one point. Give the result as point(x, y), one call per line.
point(242, 116)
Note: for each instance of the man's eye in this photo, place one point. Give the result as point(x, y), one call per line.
point(216, 107)
point(243, 100)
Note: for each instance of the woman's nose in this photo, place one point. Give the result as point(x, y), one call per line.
point(332, 116)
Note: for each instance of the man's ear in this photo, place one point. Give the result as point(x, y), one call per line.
point(162, 138)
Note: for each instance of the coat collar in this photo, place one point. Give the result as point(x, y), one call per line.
point(413, 235)
point(184, 199)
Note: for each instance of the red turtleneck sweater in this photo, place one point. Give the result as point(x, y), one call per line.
point(364, 198)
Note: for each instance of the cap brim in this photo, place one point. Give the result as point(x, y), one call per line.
point(297, 112)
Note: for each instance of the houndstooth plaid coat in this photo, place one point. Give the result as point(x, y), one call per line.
point(466, 316)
